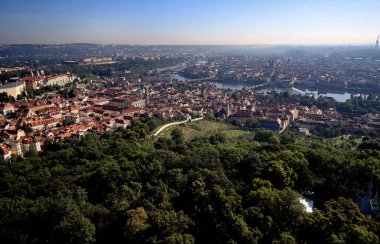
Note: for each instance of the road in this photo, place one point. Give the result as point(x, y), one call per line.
point(174, 123)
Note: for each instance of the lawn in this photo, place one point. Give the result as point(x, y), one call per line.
point(340, 142)
point(204, 128)
point(346, 143)
point(235, 134)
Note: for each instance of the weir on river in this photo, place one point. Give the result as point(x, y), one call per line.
point(298, 90)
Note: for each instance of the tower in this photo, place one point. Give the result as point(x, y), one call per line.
point(377, 42)
point(147, 94)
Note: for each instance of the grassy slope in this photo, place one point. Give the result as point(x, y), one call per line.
point(208, 128)
point(337, 142)
point(205, 128)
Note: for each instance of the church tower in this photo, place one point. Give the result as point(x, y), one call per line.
point(377, 42)
point(147, 94)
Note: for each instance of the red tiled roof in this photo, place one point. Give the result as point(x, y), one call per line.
point(32, 78)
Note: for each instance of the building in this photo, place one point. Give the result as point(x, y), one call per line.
point(13, 88)
point(304, 131)
point(96, 60)
point(137, 102)
point(59, 80)
point(44, 123)
point(36, 82)
point(292, 113)
point(33, 82)
point(124, 123)
point(271, 124)
point(7, 108)
point(126, 102)
point(119, 102)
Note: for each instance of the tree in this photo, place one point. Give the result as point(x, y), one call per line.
point(203, 157)
point(370, 143)
point(26, 128)
point(230, 157)
point(274, 211)
point(267, 136)
point(137, 221)
point(68, 121)
point(287, 137)
point(153, 124)
point(230, 191)
point(341, 222)
point(177, 136)
point(75, 228)
point(178, 238)
point(252, 124)
point(210, 116)
point(4, 98)
point(217, 138)
point(286, 238)
point(164, 143)
point(279, 174)
point(169, 222)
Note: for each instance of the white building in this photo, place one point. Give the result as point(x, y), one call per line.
point(59, 80)
point(13, 88)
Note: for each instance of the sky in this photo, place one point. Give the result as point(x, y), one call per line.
point(221, 22)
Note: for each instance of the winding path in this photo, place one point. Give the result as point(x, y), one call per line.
point(174, 123)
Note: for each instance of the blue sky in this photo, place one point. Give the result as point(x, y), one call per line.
point(190, 21)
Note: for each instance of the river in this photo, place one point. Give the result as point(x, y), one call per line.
point(340, 95)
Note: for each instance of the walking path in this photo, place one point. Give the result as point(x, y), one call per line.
point(174, 123)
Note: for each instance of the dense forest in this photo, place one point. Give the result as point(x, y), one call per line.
point(127, 187)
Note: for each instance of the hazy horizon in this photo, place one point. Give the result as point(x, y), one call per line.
point(185, 22)
point(226, 45)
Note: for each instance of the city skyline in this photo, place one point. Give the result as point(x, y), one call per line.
point(187, 22)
